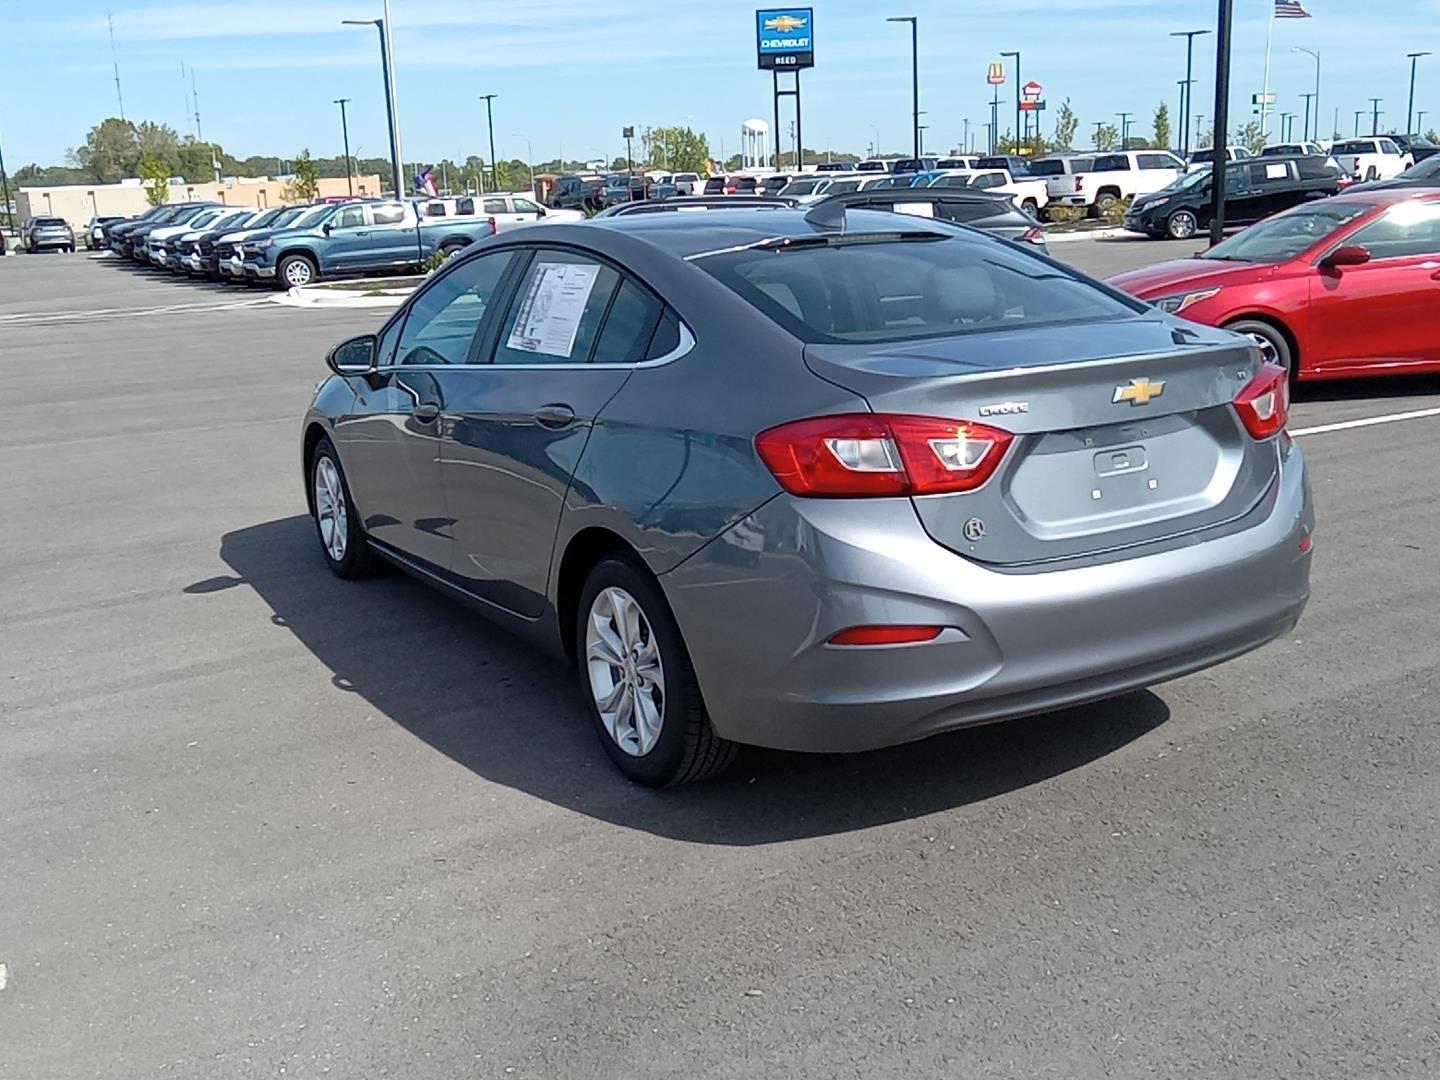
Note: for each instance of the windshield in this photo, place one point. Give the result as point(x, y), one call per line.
point(1427, 168)
point(874, 290)
point(1186, 181)
point(839, 187)
point(1286, 235)
point(800, 187)
point(314, 217)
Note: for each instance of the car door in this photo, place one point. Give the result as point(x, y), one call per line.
point(516, 427)
point(1383, 311)
point(498, 208)
point(347, 237)
point(390, 443)
point(391, 239)
point(526, 211)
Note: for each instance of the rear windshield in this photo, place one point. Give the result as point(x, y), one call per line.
point(870, 166)
point(1047, 168)
point(800, 187)
point(1363, 146)
point(48, 221)
point(1284, 236)
point(865, 289)
point(840, 187)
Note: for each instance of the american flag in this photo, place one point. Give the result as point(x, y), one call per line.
point(1290, 9)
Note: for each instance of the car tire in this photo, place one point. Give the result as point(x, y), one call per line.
point(1371, 173)
point(1274, 346)
point(294, 271)
point(1031, 207)
point(451, 249)
point(1182, 225)
point(337, 523)
point(1105, 202)
point(665, 736)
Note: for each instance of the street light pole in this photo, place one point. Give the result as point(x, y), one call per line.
point(1016, 55)
point(1308, 98)
point(914, 74)
point(1358, 113)
point(1316, 55)
point(1124, 129)
point(385, 71)
point(1223, 23)
point(1285, 126)
point(5, 191)
point(1375, 115)
point(345, 134)
point(1410, 109)
point(1189, 36)
point(490, 123)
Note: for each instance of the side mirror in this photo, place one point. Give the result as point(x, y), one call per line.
point(1346, 255)
point(358, 356)
point(541, 211)
point(326, 228)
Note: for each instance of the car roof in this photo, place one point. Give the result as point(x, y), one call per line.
point(683, 235)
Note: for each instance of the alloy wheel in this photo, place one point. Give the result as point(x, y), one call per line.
point(297, 272)
point(1268, 352)
point(331, 515)
point(1182, 225)
point(626, 675)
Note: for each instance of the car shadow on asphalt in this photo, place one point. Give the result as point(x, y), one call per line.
point(1377, 389)
point(515, 716)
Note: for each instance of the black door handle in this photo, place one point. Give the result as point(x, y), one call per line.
point(426, 412)
point(554, 416)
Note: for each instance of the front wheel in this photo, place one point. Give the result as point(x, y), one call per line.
point(1105, 202)
point(337, 523)
point(296, 270)
point(1031, 207)
point(450, 250)
point(638, 681)
point(1273, 345)
point(1182, 225)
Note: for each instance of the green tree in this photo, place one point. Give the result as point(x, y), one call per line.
point(1431, 135)
point(154, 178)
point(1065, 125)
point(111, 151)
point(304, 183)
point(1251, 136)
point(1162, 127)
point(1107, 136)
point(196, 159)
point(675, 149)
point(160, 141)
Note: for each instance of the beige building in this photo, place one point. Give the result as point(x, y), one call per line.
point(78, 203)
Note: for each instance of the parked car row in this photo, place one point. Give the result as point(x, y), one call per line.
point(293, 246)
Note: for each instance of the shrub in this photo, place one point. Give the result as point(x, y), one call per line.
point(1064, 215)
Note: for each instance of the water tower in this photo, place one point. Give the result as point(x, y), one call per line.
point(754, 144)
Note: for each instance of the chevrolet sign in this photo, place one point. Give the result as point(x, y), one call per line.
point(784, 38)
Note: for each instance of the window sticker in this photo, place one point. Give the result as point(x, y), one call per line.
point(550, 311)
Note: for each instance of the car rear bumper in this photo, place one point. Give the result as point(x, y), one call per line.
point(55, 240)
point(1070, 200)
point(759, 604)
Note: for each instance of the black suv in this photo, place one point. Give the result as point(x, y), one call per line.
point(1254, 188)
point(577, 193)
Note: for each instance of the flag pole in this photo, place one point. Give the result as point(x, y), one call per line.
point(1265, 90)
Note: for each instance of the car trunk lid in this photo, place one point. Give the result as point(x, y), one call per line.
point(1125, 432)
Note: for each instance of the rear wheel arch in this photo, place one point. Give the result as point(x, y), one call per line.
point(585, 550)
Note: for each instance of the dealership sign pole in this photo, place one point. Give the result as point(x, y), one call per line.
point(996, 79)
point(784, 41)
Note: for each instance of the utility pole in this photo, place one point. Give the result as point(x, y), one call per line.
point(1410, 109)
point(115, 60)
point(1224, 19)
point(1358, 113)
point(1016, 55)
point(1375, 115)
point(345, 134)
point(1316, 55)
point(5, 191)
point(1098, 125)
point(490, 123)
point(1189, 36)
point(1124, 129)
point(1308, 98)
point(914, 74)
point(1285, 119)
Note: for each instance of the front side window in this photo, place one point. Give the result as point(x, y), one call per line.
point(1388, 147)
point(525, 206)
point(557, 311)
point(443, 324)
point(868, 290)
point(348, 217)
point(1405, 231)
point(388, 214)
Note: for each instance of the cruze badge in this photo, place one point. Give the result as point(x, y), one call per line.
point(1139, 392)
point(1005, 408)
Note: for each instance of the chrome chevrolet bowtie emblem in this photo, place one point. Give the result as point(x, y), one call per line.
point(1139, 392)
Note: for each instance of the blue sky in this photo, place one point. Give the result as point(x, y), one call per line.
point(570, 73)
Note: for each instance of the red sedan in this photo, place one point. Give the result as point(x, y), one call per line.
point(1333, 289)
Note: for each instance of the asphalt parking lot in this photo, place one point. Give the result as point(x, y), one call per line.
point(261, 822)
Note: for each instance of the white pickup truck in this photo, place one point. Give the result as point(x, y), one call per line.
point(1028, 192)
point(1115, 177)
point(1371, 159)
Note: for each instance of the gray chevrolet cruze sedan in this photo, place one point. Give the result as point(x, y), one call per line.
point(819, 481)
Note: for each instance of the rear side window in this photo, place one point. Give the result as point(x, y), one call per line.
point(1406, 230)
point(629, 326)
point(556, 314)
point(866, 291)
point(494, 206)
point(388, 214)
point(1157, 161)
point(1111, 163)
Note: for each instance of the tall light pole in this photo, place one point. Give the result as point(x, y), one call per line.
point(1016, 55)
point(1285, 118)
point(5, 191)
point(1316, 55)
point(1124, 128)
point(490, 123)
point(386, 72)
point(1189, 36)
point(914, 73)
point(1410, 109)
point(1306, 132)
point(1358, 113)
point(1223, 21)
point(1375, 115)
point(345, 134)
point(529, 158)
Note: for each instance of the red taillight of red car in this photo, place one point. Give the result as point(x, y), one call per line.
point(858, 455)
point(1264, 403)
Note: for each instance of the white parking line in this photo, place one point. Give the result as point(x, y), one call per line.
point(33, 318)
point(1369, 421)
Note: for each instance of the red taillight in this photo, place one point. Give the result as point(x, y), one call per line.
point(1078, 185)
point(1033, 235)
point(886, 635)
point(493, 227)
point(854, 455)
point(1264, 403)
